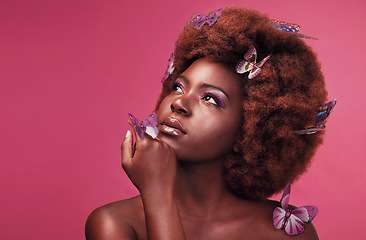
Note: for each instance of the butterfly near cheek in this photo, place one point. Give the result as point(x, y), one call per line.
point(292, 221)
point(249, 63)
point(289, 28)
point(322, 115)
point(148, 126)
point(199, 20)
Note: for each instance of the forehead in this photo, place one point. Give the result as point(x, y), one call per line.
point(207, 71)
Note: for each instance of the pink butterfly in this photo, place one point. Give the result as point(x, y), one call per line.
point(249, 63)
point(199, 20)
point(170, 68)
point(322, 115)
point(289, 28)
point(292, 221)
point(148, 126)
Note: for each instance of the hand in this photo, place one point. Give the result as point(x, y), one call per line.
point(152, 166)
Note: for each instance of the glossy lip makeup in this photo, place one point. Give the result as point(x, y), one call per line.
point(172, 126)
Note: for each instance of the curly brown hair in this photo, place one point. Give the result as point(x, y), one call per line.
point(282, 98)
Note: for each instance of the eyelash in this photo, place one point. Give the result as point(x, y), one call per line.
point(176, 85)
point(218, 101)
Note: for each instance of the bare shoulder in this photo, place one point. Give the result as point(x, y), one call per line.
point(117, 220)
point(271, 232)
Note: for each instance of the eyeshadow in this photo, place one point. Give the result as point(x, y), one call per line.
point(216, 97)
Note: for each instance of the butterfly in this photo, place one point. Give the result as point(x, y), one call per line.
point(148, 126)
point(249, 63)
point(322, 115)
point(170, 68)
point(199, 20)
point(292, 221)
point(289, 28)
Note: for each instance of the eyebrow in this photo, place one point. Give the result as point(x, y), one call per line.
point(205, 85)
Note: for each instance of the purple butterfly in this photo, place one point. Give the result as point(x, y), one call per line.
point(249, 63)
point(148, 126)
point(170, 68)
point(322, 115)
point(292, 221)
point(289, 28)
point(199, 20)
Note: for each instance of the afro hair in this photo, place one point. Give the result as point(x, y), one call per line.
point(283, 97)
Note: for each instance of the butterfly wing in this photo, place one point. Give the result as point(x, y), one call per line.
point(248, 63)
point(295, 222)
point(244, 66)
point(261, 63)
point(139, 131)
point(294, 225)
point(136, 123)
point(198, 20)
point(134, 120)
point(286, 197)
point(312, 211)
point(290, 28)
point(303, 36)
point(276, 25)
point(150, 120)
point(279, 217)
point(211, 19)
point(323, 113)
point(284, 26)
point(305, 213)
point(255, 71)
point(256, 68)
point(171, 64)
point(150, 123)
point(152, 131)
point(170, 68)
point(166, 75)
point(307, 131)
point(251, 55)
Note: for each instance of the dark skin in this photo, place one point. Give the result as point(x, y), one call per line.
point(180, 173)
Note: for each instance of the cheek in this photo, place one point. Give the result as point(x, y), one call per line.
point(164, 106)
point(217, 136)
point(227, 131)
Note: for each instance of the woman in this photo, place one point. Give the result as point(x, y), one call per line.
point(227, 139)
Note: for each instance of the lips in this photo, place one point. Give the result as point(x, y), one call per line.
point(172, 126)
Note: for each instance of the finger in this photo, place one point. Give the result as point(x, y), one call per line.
point(126, 151)
point(137, 137)
point(160, 140)
point(133, 149)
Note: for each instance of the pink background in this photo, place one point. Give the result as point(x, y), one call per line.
point(71, 70)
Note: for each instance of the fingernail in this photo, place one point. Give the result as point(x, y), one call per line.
point(128, 133)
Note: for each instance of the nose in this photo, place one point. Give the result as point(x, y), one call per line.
point(181, 106)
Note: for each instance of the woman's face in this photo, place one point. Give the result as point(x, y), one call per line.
point(201, 117)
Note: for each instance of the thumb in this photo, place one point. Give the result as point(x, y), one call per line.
point(126, 151)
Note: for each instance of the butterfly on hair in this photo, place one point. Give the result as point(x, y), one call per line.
point(292, 221)
point(199, 20)
point(322, 115)
point(148, 126)
point(290, 28)
point(249, 63)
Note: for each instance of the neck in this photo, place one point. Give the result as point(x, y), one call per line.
point(200, 188)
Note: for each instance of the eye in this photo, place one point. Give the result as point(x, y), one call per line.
point(178, 87)
point(213, 99)
point(210, 99)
